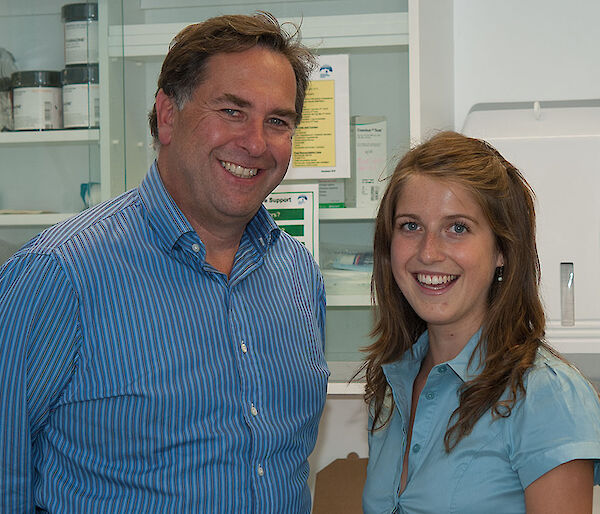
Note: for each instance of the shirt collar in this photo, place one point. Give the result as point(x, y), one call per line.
point(163, 214)
point(170, 223)
point(412, 359)
point(262, 230)
point(460, 363)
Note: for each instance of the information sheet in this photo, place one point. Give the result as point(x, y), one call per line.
point(321, 147)
point(295, 208)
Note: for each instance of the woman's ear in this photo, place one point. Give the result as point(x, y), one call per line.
point(500, 260)
point(165, 114)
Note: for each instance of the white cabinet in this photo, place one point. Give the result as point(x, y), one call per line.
point(376, 38)
point(383, 39)
point(42, 171)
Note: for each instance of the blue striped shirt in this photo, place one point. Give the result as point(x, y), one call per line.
point(137, 378)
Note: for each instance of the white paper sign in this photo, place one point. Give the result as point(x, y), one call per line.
point(321, 148)
point(295, 208)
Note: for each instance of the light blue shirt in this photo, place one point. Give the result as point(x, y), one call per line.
point(557, 421)
point(138, 379)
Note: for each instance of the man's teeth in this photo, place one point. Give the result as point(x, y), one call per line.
point(435, 280)
point(239, 171)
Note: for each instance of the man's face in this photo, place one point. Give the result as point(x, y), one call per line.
point(230, 145)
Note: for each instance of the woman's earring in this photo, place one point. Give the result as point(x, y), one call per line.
point(499, 273)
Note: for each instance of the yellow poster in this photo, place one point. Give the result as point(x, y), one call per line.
point(314, 140)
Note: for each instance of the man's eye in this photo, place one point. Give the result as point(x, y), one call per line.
point(278, 122)
point(231, 112)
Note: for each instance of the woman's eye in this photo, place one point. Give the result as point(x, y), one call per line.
point(459, 228)
point(410, 226)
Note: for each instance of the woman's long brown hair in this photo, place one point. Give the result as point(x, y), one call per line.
point(513, 328)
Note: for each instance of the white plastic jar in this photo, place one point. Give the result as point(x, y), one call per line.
point(37, 100)
point(81, 33)
point(5, 104)
point(81, 96)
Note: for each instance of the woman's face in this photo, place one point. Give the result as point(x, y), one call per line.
point(443, 253)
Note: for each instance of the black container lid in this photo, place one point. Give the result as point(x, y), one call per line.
point(79, 12)
point(5, 83)
point(35, 79)
point(80, 74)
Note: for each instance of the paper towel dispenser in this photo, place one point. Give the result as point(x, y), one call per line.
point(556, 145)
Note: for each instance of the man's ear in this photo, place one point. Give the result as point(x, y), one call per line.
point(165, 114)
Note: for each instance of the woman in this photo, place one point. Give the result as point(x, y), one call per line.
point(470, 410)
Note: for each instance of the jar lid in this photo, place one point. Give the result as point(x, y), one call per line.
point(35, 79)
point(80, 74)
point(79, 12)
point(5, 83)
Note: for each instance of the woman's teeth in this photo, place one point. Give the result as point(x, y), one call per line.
point(435, 280)
point(239, 171)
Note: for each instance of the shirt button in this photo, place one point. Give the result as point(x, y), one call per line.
point(442, 369)
point(244, 347)
point(260, 470)
point(416, 448)
point(195, 248)
point(430, 396)
point(253, 410)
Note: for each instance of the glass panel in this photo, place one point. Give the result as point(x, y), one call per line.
point(48, 146)
point(378, 87)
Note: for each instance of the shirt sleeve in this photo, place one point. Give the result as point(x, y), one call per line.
point(39, 330)
point(557, 421)
point(321, 305)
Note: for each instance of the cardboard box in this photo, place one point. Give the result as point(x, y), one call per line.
point(369, 158)
point(339, 486)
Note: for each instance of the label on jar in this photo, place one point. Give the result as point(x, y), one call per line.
point(37, 108)
point(81, 42)
point(5, 111)
point(81, 105)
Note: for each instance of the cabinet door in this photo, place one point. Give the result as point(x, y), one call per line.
point(50, 143)
point(374, 35)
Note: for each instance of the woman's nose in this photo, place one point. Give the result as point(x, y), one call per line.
point(431, 248)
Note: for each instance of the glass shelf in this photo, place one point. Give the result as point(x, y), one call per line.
point(347, 214)
point(38, 219)
point(50, 136)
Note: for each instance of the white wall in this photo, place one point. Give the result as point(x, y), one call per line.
point(524, 50)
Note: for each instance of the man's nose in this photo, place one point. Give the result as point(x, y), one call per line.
point(253, 138)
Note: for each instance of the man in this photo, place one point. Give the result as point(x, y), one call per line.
point(163, 351)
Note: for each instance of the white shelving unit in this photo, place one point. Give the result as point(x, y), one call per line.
point(322, 32)
point(41, 171)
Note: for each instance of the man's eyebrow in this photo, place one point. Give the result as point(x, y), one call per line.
point(229, 97)
point(286, 113)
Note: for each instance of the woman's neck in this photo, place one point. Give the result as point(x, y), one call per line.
point(446, 342)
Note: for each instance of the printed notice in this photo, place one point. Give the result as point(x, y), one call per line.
point(321, 146)
point(314, 141)
point(295, 209)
